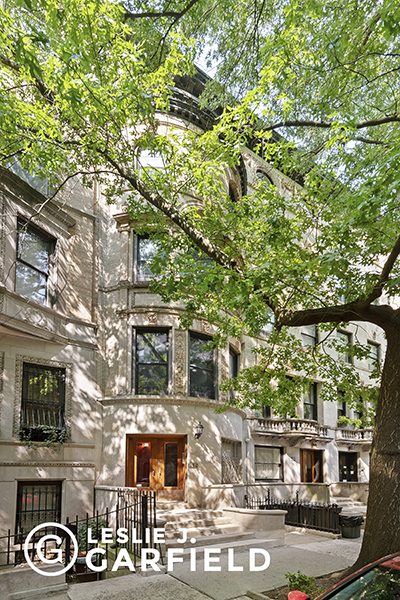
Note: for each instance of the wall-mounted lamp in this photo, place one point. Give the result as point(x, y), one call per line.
point(198, 430)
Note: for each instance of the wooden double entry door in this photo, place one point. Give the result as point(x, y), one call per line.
point(157, 463)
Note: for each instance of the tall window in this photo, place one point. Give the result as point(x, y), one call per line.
point(341, 405)
point(345, 339)
point(146, 249)
point(43, 400)
point(233, 368)
point(152, 361)
point(34, 249)
point(310, 403)
point(231, 461)
point(37, 503)
point(266, 412)
point(151, 161)
point(374, 356)
point(201, 367)
point(268, 463)
point(267, 327)
point(310, 336)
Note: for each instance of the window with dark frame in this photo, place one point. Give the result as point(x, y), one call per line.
point(268, 463)
point(233, 368)
point(146, 250)
point(266, 412)
point(341, 406)
point(34, 249)
point(310, 403)
point(310, 336)
point(152, 359)
point(202, 371)
point(37, 502)
point(43, 400)
point(346, 338)
point(374, 359)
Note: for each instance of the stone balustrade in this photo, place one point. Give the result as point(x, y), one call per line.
point(290, 427)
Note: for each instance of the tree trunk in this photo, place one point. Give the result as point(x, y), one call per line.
point(382, 529)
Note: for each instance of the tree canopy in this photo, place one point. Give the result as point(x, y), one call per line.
point(313, 86)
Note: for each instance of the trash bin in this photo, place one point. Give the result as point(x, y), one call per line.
point(350, 525)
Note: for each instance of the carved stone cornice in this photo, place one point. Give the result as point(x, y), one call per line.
point(14, 185)
point(159, 400)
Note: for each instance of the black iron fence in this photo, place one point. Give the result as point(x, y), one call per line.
point(135, 512)
point(324, 517)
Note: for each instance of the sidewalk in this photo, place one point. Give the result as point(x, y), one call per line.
point(310, 553)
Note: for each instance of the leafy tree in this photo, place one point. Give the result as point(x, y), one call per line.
point(82, 83)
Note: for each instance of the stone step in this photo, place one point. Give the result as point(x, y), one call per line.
point(204, 532)
point(193, 522)
point(215, 540)
point(189, 514)
point(171, 505)
point(241, 544)
point(346, 502)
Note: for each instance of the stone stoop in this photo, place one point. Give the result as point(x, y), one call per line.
point(343, 501)
point(206, 526)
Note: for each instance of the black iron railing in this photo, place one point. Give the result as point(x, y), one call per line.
point(135, 511)
point(324, 517)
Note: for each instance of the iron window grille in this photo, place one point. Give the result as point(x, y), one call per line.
point(34, 251)
point(268, 463)
point(231, 461)
point(152, 360)
point(43, 401)
point(345, 338)
point(202, 368)
point(37, 503)
point(310, 403)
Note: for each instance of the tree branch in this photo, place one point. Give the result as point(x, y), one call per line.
point(41, 86)
point(385, 273)
point(342, 313)
point(158, 15)
point(395, 118)
point(173, 213)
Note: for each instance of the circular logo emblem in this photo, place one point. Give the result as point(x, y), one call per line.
point(57, 552)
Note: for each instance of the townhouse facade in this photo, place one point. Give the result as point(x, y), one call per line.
point(101, 386)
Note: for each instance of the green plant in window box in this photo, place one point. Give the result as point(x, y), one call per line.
point(346, 422)
point(46, 436)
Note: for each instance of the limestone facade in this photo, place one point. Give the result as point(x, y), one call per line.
point(88, 329)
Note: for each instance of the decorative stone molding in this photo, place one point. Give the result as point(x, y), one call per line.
point(205, 325)
point(19, 361)
point(1, 380)
point(180, 362)
point(2, 244)
point(48, 463)
point(159, 401)
point(35, 317)
point(152, 318)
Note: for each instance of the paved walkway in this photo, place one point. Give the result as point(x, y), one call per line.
point(311, 554)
